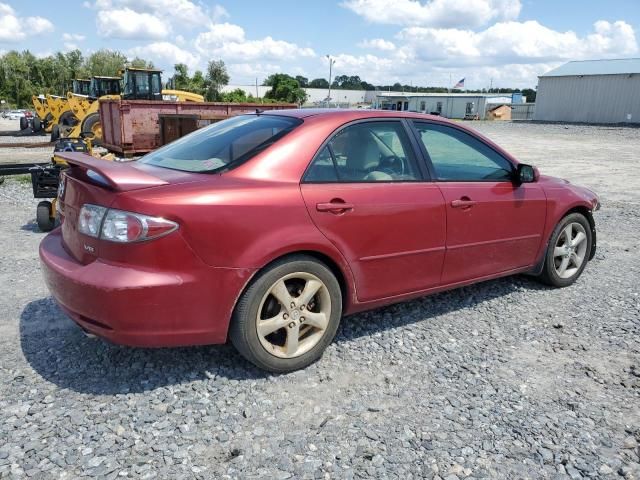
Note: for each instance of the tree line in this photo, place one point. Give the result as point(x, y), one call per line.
point(22, 75)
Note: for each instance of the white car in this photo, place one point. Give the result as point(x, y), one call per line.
point(15, 114)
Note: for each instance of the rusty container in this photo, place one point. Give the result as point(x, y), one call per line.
point(135, 127)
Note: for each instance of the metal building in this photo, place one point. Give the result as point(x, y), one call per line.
point(593, 91)
point(450, 105)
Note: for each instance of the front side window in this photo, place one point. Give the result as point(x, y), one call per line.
point(366, 152)
point(222, 144)
point(458, 156)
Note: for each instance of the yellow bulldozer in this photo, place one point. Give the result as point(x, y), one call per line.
point(85, 107)
point(134, 84)
point(53, 110)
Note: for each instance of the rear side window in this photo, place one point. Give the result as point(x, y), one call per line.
point(223, 144)
point(366, 152)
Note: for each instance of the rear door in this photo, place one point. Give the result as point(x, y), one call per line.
point(367, 194)
point(493, 225)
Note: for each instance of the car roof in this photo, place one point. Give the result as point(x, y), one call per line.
point(347, 114)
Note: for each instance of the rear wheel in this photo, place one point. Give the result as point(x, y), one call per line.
point(55, 133)
point(24, 123)
point(44, 216)
point(568, 251)
point(288, 316)
point(68, 119)
point(37, 124)
point(91, 125)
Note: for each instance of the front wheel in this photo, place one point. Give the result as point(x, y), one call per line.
point(568, 251)
point(288, 315)
point(45, 217)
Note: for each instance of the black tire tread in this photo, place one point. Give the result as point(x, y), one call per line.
point(548, 275)
point(242, 321)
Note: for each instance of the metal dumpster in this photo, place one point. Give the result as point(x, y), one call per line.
point(133, 127)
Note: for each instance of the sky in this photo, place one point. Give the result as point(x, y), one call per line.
point(503, 43)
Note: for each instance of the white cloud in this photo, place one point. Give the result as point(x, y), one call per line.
point(227, 41)
point(510, 53)
point(14, 28)
point(377, 44)
point(176, 12)
point(517, 42)
point(218, 35)
point(249, 71)
point(126, 23)
point(435, 13)
point(73, 37)
point(165, 54)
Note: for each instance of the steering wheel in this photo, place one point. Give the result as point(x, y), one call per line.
point(391, 164)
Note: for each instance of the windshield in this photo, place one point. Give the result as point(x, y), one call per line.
point(223, 144)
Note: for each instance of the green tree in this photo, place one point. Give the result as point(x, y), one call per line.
point(530, 94)
point(198, 83)
point(181, 80)
point(105, 63)
point(237, 96)
point(302, 81)
point(217, 77)
point(319, 83)
point(138, 62)
point(348, 82)
point(285, 88)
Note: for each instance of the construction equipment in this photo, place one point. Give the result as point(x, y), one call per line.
point(146, 84)
point(43, 114)
point(45, 176)
point(85, 107)
point(46, 118)
point(80, 86)
point(137, 83)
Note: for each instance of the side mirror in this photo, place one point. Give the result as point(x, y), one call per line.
point(526, 174)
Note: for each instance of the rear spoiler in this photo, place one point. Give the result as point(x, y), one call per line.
point(119, 176)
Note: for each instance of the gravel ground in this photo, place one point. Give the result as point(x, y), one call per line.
point(505, 379)
point(20, 154)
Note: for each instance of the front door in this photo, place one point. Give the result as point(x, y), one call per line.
point(367, 195)
point(493, 225)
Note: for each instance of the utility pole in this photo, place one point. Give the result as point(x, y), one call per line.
point(257, 96)
point(491, 86)
point(331, 62)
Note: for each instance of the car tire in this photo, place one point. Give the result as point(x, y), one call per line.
point(91, 126)
point(68, 119)
point(45, 221)
point(23, 123)
point(55, 133)
point(294, 341)
point(567, 252)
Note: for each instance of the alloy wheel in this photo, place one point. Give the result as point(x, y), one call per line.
point(570, 250)
point(293, 315)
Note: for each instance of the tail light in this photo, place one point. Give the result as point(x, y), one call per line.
point(120, 226)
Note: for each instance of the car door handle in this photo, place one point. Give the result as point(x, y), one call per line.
point(336, 206)
point(463, 203)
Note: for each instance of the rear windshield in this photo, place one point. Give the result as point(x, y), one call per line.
point(222, 145)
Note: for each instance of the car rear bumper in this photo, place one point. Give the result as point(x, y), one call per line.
point(141, 307)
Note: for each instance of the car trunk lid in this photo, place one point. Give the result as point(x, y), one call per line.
point(98, 182)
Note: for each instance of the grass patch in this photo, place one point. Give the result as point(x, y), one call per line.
point(23, 179)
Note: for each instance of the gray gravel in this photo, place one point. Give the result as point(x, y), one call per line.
point(506, 379)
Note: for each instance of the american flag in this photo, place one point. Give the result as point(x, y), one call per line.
point(460, 84)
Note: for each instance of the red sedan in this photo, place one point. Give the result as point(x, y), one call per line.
point(266, 229)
